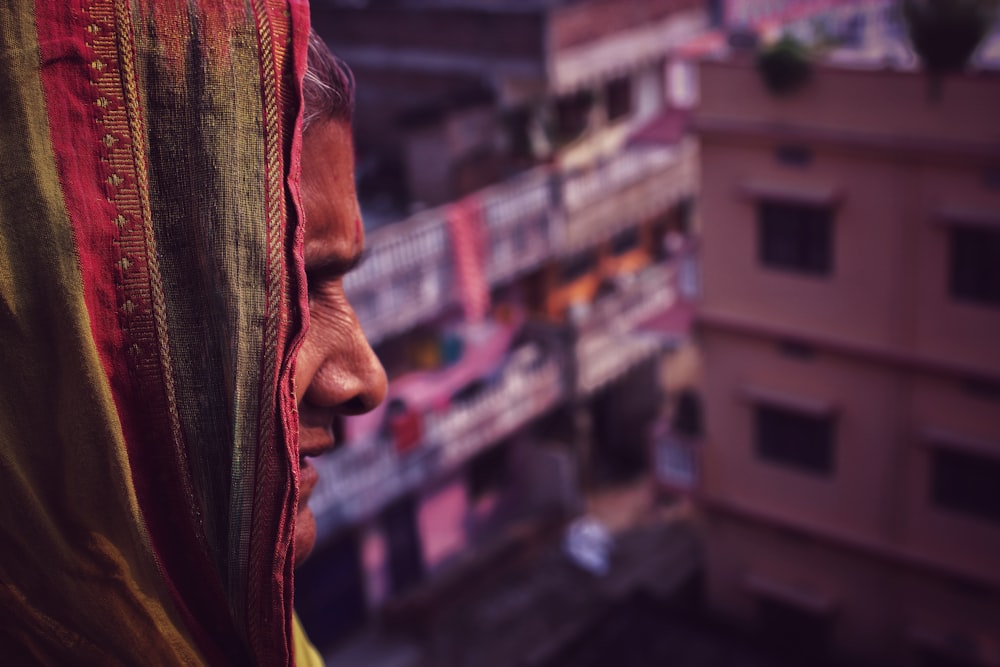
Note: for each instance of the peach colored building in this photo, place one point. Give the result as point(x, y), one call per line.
point(850, 326)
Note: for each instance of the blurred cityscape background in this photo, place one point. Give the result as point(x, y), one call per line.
point(691, 315)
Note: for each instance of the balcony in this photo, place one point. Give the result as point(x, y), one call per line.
point(636, 184)
point(356, 482)
point(516, 215)
point(523, 394)
point(611, 338)
point(407, 277)
point(639, 298)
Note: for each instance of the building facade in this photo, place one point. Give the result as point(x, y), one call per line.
point(849, 327)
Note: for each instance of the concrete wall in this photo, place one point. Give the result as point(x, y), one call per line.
point(897, 168)
point(875, 103)
point(878, 610)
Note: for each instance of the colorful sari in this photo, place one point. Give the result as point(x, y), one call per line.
point(151, 302)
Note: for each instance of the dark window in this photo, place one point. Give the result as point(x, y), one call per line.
point(471, 392)
point(795, 237)
point(625, 241)
point(572, 112)
point(406, 555)
point(984, 389)
point(577, 267)
point(517, 123)
point(975, 265)
point(955, 649)
point(991, 177)
point(797, 350)
point(687, 420)
point(619, 97)
point(793, 156)
point(795, 440)
point(966, 483)
point(488, 472)
point(943, 658)
point(791, 630)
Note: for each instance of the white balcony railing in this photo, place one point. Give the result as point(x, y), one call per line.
point(638, 183)
point(609, 341)
point(644, 296)
point(407, 277)
point(603, 358)
point(516, 216)
point(467, 429)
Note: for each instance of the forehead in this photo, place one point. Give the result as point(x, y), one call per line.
point(332, 215)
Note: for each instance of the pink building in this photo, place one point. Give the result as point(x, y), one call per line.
point(851, 334)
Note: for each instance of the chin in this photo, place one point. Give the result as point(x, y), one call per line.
point(305, 534)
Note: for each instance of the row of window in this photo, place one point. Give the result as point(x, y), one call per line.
point(799, 238)
point(960, 481)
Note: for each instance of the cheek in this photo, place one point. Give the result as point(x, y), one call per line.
point(332, 323)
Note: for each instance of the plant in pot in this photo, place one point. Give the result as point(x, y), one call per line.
point(785, 65)
point(946, 33)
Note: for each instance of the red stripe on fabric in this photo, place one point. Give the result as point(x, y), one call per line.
point(90, 135)
point(294, 327)
point(270, 585)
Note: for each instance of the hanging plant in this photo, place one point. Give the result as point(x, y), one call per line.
point(945, 33)
point(785, 66)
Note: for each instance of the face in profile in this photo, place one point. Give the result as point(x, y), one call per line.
point(337, 373)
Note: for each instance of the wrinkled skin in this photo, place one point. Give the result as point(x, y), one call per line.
point(337, 373)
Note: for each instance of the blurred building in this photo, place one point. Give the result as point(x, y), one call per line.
point(849, 324)
point(527, 183)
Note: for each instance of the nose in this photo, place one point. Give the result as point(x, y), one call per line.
point(350, 379)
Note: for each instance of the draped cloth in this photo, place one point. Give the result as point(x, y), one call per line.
point(152, 298)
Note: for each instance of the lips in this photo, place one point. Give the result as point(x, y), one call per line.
point(308, 478)
point(313, 442)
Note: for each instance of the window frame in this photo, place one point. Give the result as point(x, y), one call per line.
point(796, 237)
point(974, 265)
point(980, 456)
point(822, 413)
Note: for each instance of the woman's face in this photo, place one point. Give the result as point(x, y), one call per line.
point(337, 373)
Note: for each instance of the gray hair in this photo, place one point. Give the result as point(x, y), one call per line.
point(328, 85)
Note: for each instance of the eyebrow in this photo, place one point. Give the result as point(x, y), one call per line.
point(333, 266)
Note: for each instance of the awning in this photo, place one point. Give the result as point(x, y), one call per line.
point(814, 195)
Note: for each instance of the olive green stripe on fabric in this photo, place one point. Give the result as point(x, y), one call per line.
point(213, 287)
point(79, 580)
point(252, 237)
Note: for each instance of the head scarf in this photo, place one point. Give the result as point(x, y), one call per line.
point(151, 301)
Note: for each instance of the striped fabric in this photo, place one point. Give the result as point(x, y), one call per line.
point(151, 286)
point(468, 242)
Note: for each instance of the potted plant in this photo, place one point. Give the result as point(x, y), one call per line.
point(785, 65)
point(946, 33)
